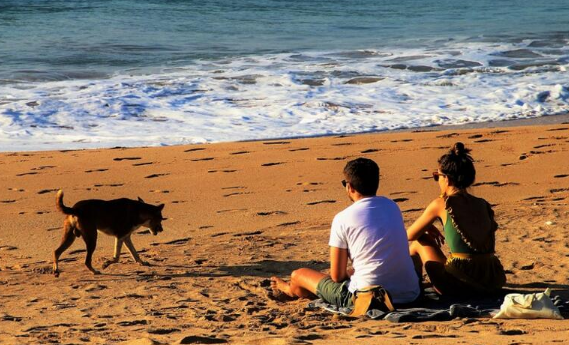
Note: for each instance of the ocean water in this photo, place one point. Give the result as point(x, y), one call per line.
point(87, 73)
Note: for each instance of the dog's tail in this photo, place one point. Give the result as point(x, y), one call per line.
point(59, 204)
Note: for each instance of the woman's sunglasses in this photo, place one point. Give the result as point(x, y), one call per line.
point(436, 175)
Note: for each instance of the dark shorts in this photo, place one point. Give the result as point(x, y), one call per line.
point(334, 293)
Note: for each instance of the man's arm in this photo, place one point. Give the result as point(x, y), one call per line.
point(338, 264)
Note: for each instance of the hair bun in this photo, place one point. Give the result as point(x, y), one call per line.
point(459, 150)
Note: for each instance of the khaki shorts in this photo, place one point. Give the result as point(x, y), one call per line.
point(335, 293)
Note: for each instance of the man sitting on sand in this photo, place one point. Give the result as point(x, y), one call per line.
point(371, 233)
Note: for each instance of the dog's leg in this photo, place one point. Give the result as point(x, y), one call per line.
point(66, 242)
point(132, 250)
point(90, 238)
point(116, 257)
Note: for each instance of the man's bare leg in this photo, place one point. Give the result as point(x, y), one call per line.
point(303, 283)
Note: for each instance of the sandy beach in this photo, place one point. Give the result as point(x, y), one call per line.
point(239, 213)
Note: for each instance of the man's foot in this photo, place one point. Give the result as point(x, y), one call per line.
point(280, 290)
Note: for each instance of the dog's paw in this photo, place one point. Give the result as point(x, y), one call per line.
point(145, 263)
point(56, 273)
point(95, 272)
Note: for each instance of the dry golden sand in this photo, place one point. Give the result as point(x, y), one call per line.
point(242, 212)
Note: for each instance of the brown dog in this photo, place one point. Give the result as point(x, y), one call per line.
point(118, 218)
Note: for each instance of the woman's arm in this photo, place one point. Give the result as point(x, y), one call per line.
point(426, 220)
point(338, 264)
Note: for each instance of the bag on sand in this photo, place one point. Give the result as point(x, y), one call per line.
point(530, 306)
point(371, 297)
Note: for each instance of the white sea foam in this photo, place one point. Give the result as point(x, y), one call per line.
point(289, 95)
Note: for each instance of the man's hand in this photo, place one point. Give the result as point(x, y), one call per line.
point(350, 271)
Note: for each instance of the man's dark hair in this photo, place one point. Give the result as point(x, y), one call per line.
point(363, 175)
point(458, 165)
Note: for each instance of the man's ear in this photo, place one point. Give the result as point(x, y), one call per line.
point(139, 199)
point(161, 207)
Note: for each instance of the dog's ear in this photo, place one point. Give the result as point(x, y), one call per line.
point(139, 199)
point(164, 218)
point(161, 207)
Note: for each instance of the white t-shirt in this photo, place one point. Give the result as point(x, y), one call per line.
point(372, 230)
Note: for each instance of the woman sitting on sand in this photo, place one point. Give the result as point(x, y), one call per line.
point(469, 228)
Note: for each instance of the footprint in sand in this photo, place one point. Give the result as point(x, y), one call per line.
point(561, 176)
point(483, 140)
point(342, 144)
point(28, 173)
point(321, 202)
point(542, 146)
point(331, 159)
point(141, 164)
point(558, 129)
point(160, 191)
point(96, 170)
point(162, 331)
point(288, 223)
point(7, 201)
point(271, 164)
point(17, 190)
point(493, 183)
point(239, 153)
point(132, 323)
point(450, 135)
point(202, 159)
point(370, 151)
point(409, 192)
point(299, 149)
point(401, 141)
point(224, 171)
point(196, 339)
point(270, 213)
point(236, 193)
point(309, 183)
point(400, 200)
point(251, 233)
point(475, 136)
point(195, 149)
point(109, 185)
point(178, 241)
point(156, 175)
point(233, 210)
point(44, 167)
point(118, 159)
point(558, 190)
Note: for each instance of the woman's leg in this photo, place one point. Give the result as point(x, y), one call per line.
point(303, 283)
point(426, 253)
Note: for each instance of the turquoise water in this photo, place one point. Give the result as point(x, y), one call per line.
point(93, 73)
point(54, 40)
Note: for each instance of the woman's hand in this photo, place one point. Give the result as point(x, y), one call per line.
point(432, 234)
